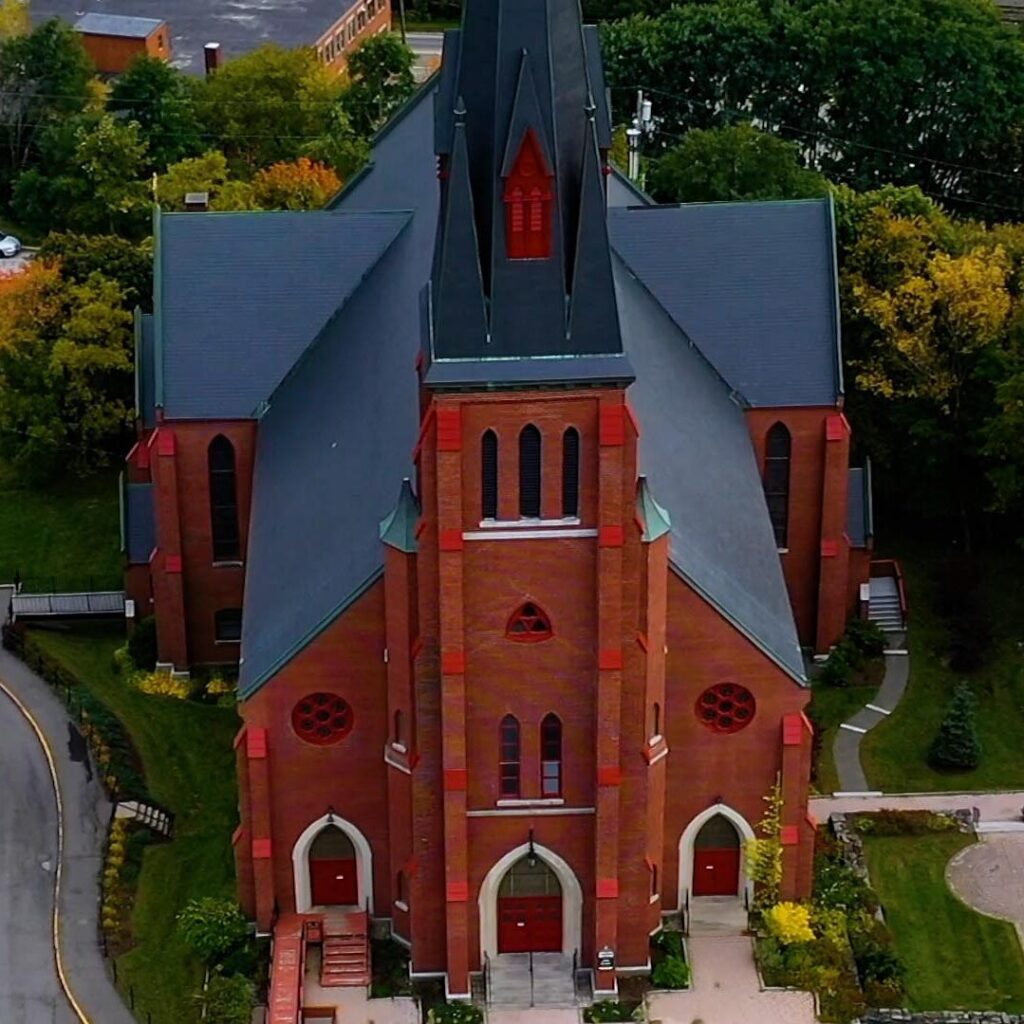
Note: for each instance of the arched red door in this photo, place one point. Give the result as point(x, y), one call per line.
point(333, 875)
point(530, 909)
point(716, 858)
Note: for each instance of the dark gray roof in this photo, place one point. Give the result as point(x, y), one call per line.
point(751, 284)
point(248, 293)
point(144, 382)
point(117, 25)
point(721, 536)
point(139, 524)
point(331, 454)
point(859, 525)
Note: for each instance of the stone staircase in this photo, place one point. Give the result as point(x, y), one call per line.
point(532, 979)
point(884, 604)
point(345, 958)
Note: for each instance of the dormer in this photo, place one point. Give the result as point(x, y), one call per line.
point(528, 195)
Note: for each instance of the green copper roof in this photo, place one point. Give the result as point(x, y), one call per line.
point(398, 528)
point(656, 520)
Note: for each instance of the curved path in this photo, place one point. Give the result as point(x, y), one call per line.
point(846, 746)
point(31, 992)
point(989, 876)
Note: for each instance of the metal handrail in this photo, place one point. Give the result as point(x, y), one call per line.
point(487, 979)
point(575, 968)
point(686, 912)
point(531, 978)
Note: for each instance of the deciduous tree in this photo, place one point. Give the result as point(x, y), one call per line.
point(300, 185)
point(15, 19)
point(207, 173)
point(380, 81)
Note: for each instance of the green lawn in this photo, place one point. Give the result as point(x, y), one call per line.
point(955, 957)
point(68, 533)
point(831, 705)
point(894, 753)
point(186, 750)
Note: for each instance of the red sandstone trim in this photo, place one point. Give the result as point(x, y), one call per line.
point(611, 537)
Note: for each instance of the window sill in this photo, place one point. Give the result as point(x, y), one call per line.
point(655, 898)
point(402, 905)
point(399, 748)
point(552, 801)
point(783, 551)
point(227, 564)
point(654, 741)
point(527, 524)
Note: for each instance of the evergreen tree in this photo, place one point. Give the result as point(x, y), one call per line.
point(956, 747)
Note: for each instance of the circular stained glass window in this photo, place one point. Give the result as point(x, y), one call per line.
point(322, 718)
point(727, 707)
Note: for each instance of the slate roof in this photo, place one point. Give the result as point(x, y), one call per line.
point(248, 293)
point(117, 25)
point(139, 523)
point(753, 285)
point(721, 536)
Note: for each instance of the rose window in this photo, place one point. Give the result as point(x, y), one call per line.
point(322, 718)
point(727, 707)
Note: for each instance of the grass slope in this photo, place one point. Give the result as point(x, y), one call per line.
point(186, 750)
point(894, 753)
point(955, 957)
point(69, 532)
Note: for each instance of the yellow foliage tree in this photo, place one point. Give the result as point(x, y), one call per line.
point(790, 923)
point(15, 19)
point(763, 854)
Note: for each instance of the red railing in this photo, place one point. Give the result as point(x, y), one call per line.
point(890, 567)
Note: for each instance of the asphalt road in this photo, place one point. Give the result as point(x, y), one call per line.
point(29, 989)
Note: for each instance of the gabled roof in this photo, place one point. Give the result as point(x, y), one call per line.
point(753, 285)
point(248, 293)
point(117, 25)
point(696, 453)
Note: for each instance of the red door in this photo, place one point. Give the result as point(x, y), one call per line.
point(333, 882)
point(716, 872)
point(530, 924)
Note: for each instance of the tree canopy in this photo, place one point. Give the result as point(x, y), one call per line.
point(380, 81)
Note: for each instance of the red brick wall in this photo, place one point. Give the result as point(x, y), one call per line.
point(336, 58)
point(347, 660)
point(113, 54)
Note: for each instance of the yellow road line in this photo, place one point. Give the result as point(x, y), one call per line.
point(40, 735)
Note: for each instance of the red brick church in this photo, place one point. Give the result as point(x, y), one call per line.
point(519, 502)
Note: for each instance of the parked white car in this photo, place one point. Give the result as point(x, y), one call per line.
point(9, 245)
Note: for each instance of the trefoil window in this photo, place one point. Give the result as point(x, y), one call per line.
point(528, 624)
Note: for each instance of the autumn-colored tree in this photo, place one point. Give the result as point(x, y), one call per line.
point(15, 19)
point(65, 372)
point(300, 185)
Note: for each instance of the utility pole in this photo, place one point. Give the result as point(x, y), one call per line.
point(643, 124)
point(401, 19)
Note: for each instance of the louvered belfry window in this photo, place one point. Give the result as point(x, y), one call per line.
point(776, 480)
point(489, 475)
point(529, 472)
point(223, 500)
point(571, 472)
point(528, 209)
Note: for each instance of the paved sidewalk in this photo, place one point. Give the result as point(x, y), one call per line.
point(726, 990)
point(992, 806)
point(846, 745)
point(86, 813)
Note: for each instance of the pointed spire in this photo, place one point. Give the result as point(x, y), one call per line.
point(525, 116)
point(656, 520)
point(460, 310)
point(398, 528)
point(593, 313)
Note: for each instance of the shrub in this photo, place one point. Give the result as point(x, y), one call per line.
point(790, 923)
point(142, 644)
point(888, 822)
point(218, 686)
point(669, 943)
point(609, 1010)
point(876, 960)
point(212, 927)
point(956, 747)
point(837, 670)
point(163, 684)
point(866, 637)
point(670, 972)
point(229, 999)
point(455, 1013)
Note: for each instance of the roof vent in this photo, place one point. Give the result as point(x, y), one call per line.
point(196, 202)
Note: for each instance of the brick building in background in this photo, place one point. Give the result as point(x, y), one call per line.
point(487, 447)
point(113, 41)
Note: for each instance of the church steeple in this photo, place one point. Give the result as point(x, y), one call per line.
point(523, 268)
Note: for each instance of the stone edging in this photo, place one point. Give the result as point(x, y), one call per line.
point(941, 1017)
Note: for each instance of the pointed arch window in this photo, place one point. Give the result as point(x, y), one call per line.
point(529, 472)
point(528, 210)
point(223, 500)
point(508, 764)
point(656, 720)
point(528, 624)
point(778, 446)
point(571, 472)
point(489, 475)
point(551, 756)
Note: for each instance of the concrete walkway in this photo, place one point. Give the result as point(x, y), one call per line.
point(1004, 808)
point(30, 990)
point(846, 746)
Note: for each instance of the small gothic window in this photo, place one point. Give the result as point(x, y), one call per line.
point(727, 707)
point(656, 720)
point(322, 718)
point(528, 624)
point(508, 763)
point(551, 756)
point(529, 472)
point(489, 475)
point(227, 626)
point(400, 889)
point(776, 480)
point(571, 472)
point(528, 204)
point(654, 880)
point(223, 500)
point(398, 731)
